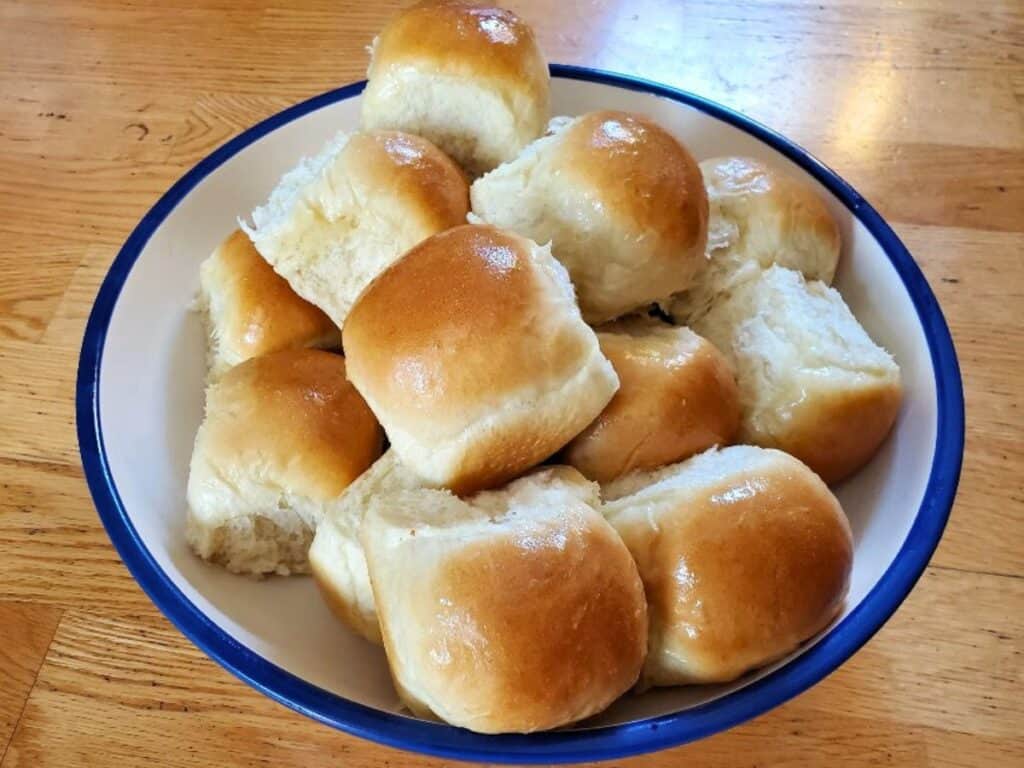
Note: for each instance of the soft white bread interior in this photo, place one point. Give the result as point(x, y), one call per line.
point(284, 434)
point(677, 396)
point(337, 220)
point(620, 200)
point(744, 554)
point(812, 382)
point(468, 76)
point(516, 610)
point(760, 216)
point(250, 310)
point(336, 556)
point(472, 353)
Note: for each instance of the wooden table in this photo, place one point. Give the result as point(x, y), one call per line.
point(103, 104)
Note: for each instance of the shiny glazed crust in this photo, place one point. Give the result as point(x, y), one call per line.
point(251, 310)
point(465, 40)
point(677, 396)
point(411, 169)
point(519, 610)
point(744, 554)
point(293, 418)
point(472, 353)
point(621, 201)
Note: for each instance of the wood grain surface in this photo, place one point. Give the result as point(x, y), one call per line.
point(104, 103)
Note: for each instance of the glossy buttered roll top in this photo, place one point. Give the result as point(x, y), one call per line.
point(341, 217)
point(677, 397)
point(468, 76)
point(620, 199)
point(250, 310)
point(515, 610)
point(744, 553)
point(644, 174)
point(472, 353)
point(284, 434)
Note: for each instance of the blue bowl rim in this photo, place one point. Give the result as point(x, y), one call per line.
point(565, 746)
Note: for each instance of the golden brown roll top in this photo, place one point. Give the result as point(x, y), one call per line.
point(772, 217)
point(295, 416)
point(284, 435)
point(468, 76)
point(812, 382)
point(744, 554)
point(464, 39)
point(646, 179)
point(472, 353)
point(760, 216)
point(677, 397)
point(250, 310)
point(515, 611)
point(620, 199)
point(337, 220)
point(411, 170)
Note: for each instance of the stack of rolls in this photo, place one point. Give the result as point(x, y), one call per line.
point(546, 407)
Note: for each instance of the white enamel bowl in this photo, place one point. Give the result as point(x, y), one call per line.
point(140, 400)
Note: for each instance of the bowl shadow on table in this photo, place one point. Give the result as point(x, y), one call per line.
point(282, 619)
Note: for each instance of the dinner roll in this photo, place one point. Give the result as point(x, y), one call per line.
point(744, 554)
point(516, 611)
point(677, 397)
point(337, 220)
point(469, 77)
point(812, 382)
point(759, 217)
point(620, 200)
point(336, 556)
point(473, 355)
point(250, 310)
point(284, 435)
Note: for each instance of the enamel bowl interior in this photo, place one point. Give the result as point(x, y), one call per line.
point(141, 400)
